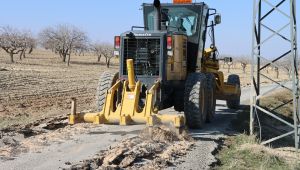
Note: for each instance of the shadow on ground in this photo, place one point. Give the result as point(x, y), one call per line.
point(92, 63)
point(265, 127)
point(234, 122)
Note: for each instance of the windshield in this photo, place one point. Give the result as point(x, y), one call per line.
point(179, 19)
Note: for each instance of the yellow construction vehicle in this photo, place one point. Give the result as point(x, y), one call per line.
point(165, 65)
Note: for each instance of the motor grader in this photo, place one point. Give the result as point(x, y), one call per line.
point(164, 64)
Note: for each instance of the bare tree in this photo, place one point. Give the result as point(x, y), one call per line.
point(97, 49)
point(286, 64)
point(227, 61)
point(288, 69)
point(81, 50)
point(244, 63)
point(103, 50)
point(11, 41)
point(107, 51)
point(229, 65)
point(277, 72)
point(63, 39)
point(32, 44)
point(28, 43)
point(267, 69)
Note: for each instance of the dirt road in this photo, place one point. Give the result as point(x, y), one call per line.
point(71, 147)
point(60, 148)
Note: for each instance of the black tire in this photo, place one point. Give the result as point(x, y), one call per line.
point(179, 107)
point(106, 81)
point(234, 103)
point(194, 100)
point(210, 96)
point(179, 101)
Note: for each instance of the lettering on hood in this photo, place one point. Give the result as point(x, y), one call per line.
point(146, 35)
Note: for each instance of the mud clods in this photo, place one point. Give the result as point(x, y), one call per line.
point(154, 148)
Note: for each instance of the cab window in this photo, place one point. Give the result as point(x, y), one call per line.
point(179, 19)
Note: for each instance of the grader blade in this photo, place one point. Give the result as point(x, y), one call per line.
point(129, 111)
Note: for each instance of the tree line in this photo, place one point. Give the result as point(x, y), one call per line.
point(64, 40)
point(245, 62)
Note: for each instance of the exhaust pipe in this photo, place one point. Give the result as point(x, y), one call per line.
point(157, 15)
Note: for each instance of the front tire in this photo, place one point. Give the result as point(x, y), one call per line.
point(194, 100)
point(235, 81)
point(211, 96)
point(106, 81)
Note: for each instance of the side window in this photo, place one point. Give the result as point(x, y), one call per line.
point(150, 20)
point(189, 23)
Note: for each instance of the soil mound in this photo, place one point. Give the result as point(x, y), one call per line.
point(154, 148)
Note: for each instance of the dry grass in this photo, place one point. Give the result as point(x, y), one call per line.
point(289, 155)
point(243, 152)
point(278, 98)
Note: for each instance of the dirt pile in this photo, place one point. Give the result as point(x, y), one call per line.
point(154, 148)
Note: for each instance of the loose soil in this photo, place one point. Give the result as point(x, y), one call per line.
point(41, 86)
point(19, 139)
point(154, 148)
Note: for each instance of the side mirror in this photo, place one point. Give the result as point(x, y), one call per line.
point(218, 19)
point(228, 59)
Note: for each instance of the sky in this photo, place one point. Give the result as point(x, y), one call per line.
point(102, 20)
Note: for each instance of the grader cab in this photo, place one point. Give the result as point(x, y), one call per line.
point(165, 64)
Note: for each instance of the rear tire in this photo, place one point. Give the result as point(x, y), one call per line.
point(194, 100)
point(234, 103)
point(106, 81)
point(210, 96)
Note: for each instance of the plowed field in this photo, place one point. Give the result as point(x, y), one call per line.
point(41, 85)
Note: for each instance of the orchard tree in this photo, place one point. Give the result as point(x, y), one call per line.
point(32, 44)
point(105, 50)
point(108, 53)
point(63, 39)
point(97, 50)
point(82, 49)
point(276, 71)
point(229, 65)
point(286, 64)
point(11, 41)
point(244, 61)
point(28, 44)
